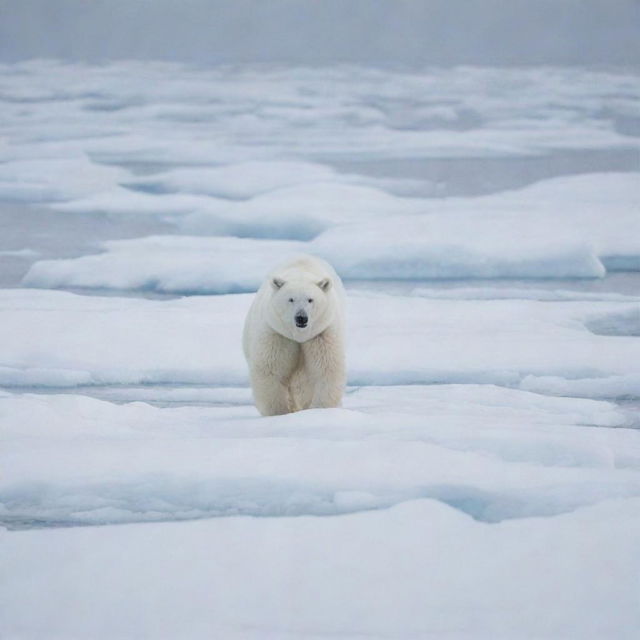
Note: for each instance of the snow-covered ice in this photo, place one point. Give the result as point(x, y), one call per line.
point(492, 453)
point(170, 264)
point(161, 112)
point(565, 227)
point(299, 211)
point(449, 489)
point(52, 180)
point(419, 569)
point(519, 293)
point(392, 340)
point(483, 477)
point(237, 181)
point(61, 122)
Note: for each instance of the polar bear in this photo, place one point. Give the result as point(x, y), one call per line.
point(293, 338)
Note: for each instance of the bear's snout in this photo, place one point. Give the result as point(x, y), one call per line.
point(301, 319)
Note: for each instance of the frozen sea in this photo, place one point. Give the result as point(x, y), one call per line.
point(483, 477)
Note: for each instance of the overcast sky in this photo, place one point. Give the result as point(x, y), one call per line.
point(378, 32)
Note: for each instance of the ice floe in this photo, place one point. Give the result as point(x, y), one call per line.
point(469, 495)
point(392, 340)
point(519, 293)
point(493, 453)
point(52, 180)
point(170, 264)
point(573, 227)
point(236, 181)
point(419, 569)
point(296, 211)
point(212, 130)
point(175, 114)
point(565, 227)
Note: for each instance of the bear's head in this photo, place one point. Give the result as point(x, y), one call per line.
point(300, 309)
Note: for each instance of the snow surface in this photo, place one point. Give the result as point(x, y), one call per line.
point(299, 211)
point(450, 490)
point(556, 228)
point(483, 477)
point(171, 114)
point(565, 227)
point(520, 293)
point(420, 569)
point(392, 340)
point(236, 182)
point(135, 462)
point(173, 264)
point(50, 180)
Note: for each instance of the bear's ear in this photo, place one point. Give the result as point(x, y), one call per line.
point(324, 284)
point(276, 283)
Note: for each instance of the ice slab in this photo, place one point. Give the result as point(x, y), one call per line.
point(167, 395)
point(236, 182)
point(169, 264)
point(575, 227)
point(245, 180)
point(519, 293)
point(134, 111)
point(55, 179)
point(300, 210)
point(367, 574)
point(610, 387)
point(405, 248)
point(459, 481)
point(490, 452)
point(565, 227)
point(392, 340)
point(120, 201)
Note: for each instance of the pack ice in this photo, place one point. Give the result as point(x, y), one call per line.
point(482, 479)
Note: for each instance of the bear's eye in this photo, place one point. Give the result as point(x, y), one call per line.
point(310, 299)
point(290, 299)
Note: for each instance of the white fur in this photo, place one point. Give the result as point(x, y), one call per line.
point(294, 368)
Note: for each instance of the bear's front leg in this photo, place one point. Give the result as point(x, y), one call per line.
point(271, 370)
point(270, 394)
point(325, 367)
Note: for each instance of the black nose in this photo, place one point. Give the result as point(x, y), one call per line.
point(301, 319)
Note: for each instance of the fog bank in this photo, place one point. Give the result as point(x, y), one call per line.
point(379, 32)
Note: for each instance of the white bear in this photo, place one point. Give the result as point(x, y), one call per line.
point(293, 338)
